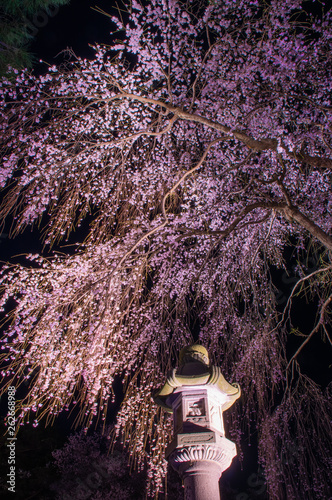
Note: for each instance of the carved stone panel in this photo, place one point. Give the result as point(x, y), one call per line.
point(195, 411)
point(196, 408)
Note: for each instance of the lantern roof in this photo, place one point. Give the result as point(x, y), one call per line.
point(195, 370)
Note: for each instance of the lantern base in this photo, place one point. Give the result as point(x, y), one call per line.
point(200, 459)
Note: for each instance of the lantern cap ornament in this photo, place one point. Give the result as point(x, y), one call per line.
point(195, 370)
point(192, 353)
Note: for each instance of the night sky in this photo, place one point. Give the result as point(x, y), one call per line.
point(75, 26)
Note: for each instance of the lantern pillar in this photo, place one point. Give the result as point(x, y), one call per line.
point(197, 394)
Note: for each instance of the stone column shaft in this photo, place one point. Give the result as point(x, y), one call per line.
point(201, 481)
point(200, 459)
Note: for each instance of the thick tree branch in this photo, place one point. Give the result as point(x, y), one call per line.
point(250, 142)
point(294, 213)
point(226, 232)
point(291, 213)
point(314, 161)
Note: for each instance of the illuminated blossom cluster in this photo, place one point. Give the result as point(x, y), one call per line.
point(194, 149)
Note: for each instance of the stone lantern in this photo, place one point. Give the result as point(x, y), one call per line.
point(197, 394)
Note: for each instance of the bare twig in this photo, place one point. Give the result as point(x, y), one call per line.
point(319, 324)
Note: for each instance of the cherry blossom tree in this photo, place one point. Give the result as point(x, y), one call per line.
point(194, 148)
point(87, 471)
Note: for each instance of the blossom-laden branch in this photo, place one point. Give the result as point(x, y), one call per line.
point(262, 144)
